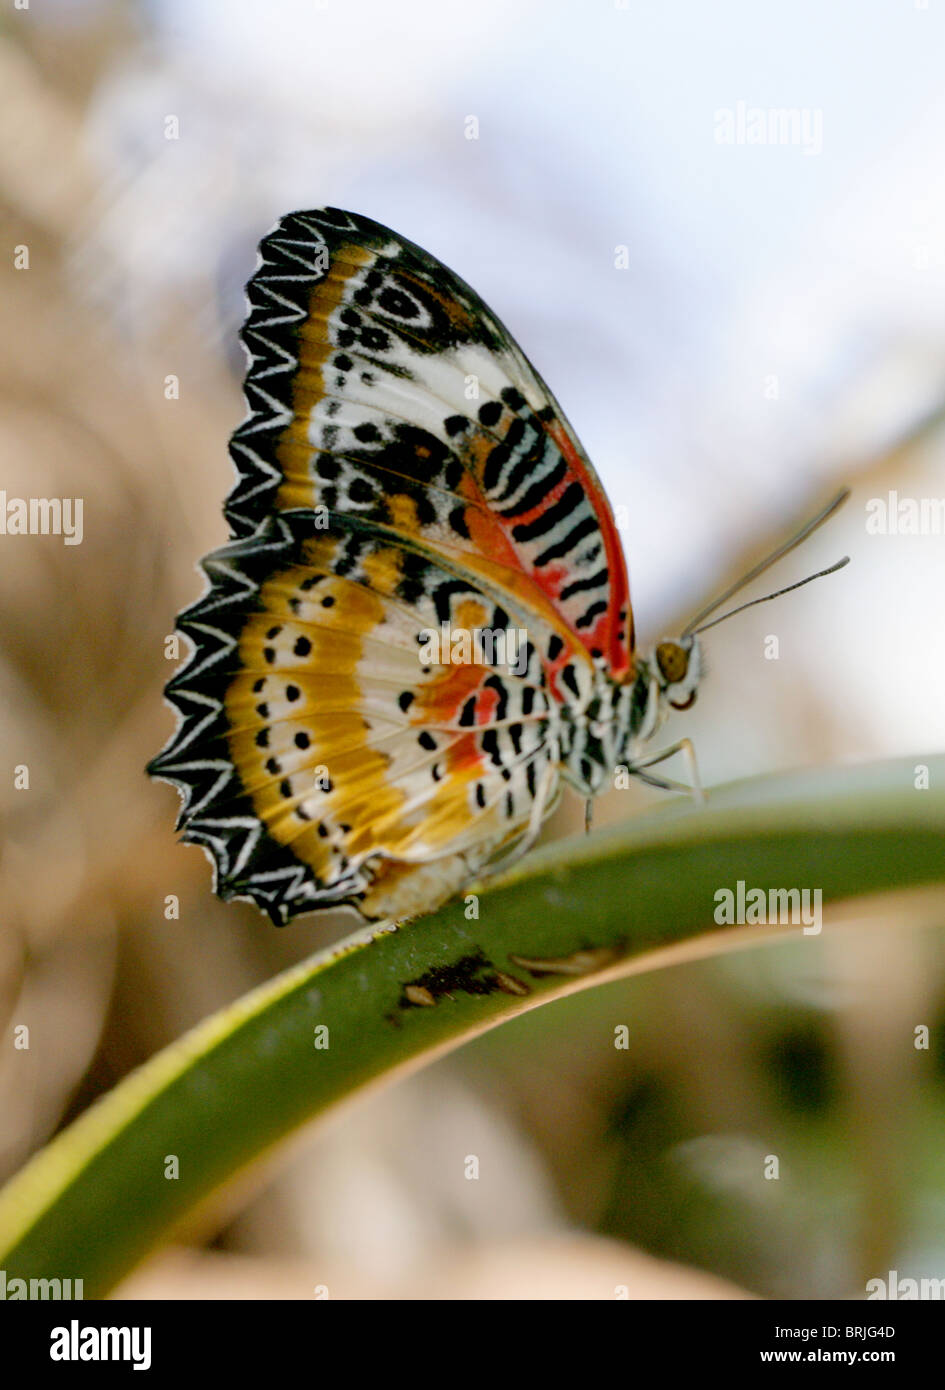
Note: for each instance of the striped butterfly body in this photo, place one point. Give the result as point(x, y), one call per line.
point(421, 625)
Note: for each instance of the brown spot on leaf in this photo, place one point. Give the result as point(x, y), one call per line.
point(471, 974)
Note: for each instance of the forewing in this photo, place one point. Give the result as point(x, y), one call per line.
point(382, 387)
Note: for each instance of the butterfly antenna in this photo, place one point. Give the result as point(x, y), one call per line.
point(807, 530)
point(832, 569)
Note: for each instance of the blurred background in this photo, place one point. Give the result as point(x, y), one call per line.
point(735, 326)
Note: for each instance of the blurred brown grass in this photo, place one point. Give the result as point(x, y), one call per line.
point(88, 851)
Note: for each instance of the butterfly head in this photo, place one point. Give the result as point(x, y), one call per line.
point(676, 666)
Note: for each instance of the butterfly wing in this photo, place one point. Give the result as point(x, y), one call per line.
point(382, 386)
point(402, 471)
point(322, 757)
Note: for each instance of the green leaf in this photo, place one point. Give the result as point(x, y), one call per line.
point(573, 914)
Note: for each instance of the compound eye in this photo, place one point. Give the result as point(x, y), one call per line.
point(686, 704)
point(673, 661)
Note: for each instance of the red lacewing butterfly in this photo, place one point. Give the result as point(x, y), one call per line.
point(421, 626)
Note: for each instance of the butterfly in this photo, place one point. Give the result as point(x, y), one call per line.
point(420, 628)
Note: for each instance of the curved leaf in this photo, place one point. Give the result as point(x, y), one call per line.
point(573, 914)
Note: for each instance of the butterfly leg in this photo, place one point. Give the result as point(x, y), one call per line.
point(588, 814)
point(532, 829)
point(685, 747)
